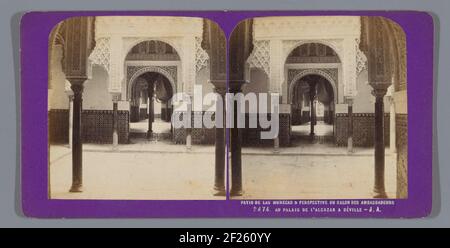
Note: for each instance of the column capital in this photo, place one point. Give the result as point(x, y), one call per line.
point(236, 85)
point(115, 96)
point(77, 88)
point(220, 86)
point(379, 92)
point(220, 90)
point(349, 100)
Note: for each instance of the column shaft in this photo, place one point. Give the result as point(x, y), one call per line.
point(236, 151)
point(392, 133)
point(150, 110)
point(70, 120)
point(312, 95)
point(219, 179)
point(115, 124)
point(77, 154)
point(350, 127)
point(189, 128)
point(379, 189)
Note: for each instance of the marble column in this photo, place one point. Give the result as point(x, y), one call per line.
point(220, 142)
point(276, 144)
point(189, 128)
point(312, 109)
point(115, 134)
point(70, 120)
point(150, 110)
point(392, 120)
point(77, 146)
point(379, 185)
point(350, 126)
point(235, 145)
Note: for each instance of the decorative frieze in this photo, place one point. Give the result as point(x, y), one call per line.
point(308, 26)
point(161, 26)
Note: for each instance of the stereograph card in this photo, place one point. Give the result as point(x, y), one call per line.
point(226, 114)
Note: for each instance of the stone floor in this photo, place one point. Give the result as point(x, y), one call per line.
point(163, 170)
point(320, 129)
point(158, 126)
point(135, 175)
point(326, 176)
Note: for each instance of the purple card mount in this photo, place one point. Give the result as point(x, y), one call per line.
point(169, 114)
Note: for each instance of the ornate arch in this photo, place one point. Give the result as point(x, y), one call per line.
point(129, 43)
point(55, 38)
point(399, 53)
point(312, 71)
point(290, 45)
point(158, 69)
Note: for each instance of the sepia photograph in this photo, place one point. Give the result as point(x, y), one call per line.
point(144, 108)
point(337, 87)
point(113, 82)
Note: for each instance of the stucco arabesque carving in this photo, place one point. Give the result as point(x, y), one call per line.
point(260, 56)
point(335, 44)
point(130, 42)
point(161, 26)
point(361, 59)
point(101, 53)
point(201, 56)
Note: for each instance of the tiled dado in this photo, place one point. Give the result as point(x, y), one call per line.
point(363, 129)
point(96, 126)
point(401, 132)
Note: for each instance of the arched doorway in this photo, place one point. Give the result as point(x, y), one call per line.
point(312, 101)
point(152, 68)
point(313, 72)
point(150, 111)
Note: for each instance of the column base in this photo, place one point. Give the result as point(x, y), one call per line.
point(76, 189)
point(378, 194)
point(276, 145)
point(236, 192)
point(115, 141)
point(350, 146)
point(189, 142)
point(219, 191)
point(149, 134)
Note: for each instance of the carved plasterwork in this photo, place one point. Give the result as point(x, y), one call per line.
point(101, 54)
point(201, 57)
point(306, 26)
point(129, 42)
point(338, 32)
point(399, 60)
point(149, 26)
point(335, 44)
point(260, 56)
point(361, 59)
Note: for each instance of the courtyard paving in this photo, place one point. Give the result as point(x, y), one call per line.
point(162, 170)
